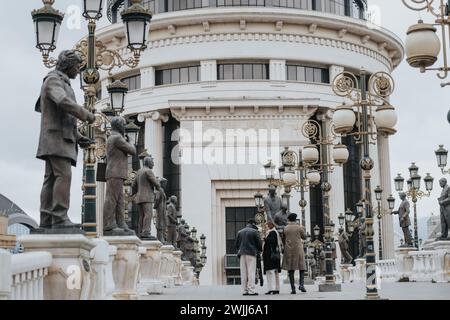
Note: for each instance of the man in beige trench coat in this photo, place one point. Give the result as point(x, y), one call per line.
point(294, 256)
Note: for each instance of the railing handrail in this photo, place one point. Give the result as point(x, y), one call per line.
point(29, 261)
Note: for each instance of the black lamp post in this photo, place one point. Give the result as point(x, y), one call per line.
point(117, 93)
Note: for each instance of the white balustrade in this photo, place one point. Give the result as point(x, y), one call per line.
point(28, 271)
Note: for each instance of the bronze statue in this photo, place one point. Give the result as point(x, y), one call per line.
point(343, 245)
point(403, 217)
point(272, 203)
point(160, 207)
point(182, 239)
point(117, 151)
point(444, 203)
point(59, 139)
point(172, 221)
point(143, 187)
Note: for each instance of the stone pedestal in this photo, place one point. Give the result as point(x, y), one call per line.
point(150, 282)
point(69, 276)
point(178, 268)
point(101, 275)
point(187, 273)
point(167, 266)
point(404, 262)
point(5, 274)
point(345, 273)
point(125, 266)
point(441, 261)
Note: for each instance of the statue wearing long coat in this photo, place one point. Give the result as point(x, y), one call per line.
point(445, 210)
point(294, 255)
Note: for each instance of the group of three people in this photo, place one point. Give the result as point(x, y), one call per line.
point(278, 252)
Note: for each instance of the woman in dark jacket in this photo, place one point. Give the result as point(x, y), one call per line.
point(272, 258)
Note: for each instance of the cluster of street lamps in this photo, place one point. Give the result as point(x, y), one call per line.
point(199, 258)
point(95, 55)
point(422, 43)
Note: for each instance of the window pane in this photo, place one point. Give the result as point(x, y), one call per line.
point(325, 76)
point(175, 73)
point(193, 74)
point(317, 75)
point(309, 74)
point(248, 74)
point(258, 71)
point(184, 75)
point(292, 73)
point(166, 77)
point(301, 74)
point(237, 71)
point(228, 72)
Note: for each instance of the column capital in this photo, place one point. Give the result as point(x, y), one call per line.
point(154, 115)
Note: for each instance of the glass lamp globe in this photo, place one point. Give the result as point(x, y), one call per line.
point(386, 118)
point(310, 154)
point(344, 119)
point(422, 45)
point(340, 154)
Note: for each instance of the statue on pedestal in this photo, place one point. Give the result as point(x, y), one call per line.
point(160, 206)
point(404, 220)
point(58, 141)
point(144, 187)
point(117, 151)
point(182, 239)
point(362, 238)
point(444, 203)
point(343, 241)
point(272, 203)
point(172, 221)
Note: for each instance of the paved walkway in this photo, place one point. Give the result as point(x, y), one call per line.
point(353, 291)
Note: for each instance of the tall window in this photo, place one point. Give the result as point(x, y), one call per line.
point(177, 75)
point(308, 74)
point(133, 82)
point(235, 219)
point(243, 71)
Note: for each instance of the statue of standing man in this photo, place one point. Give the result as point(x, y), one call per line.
point(117, 151)
point(272, 203)
point(444, 202)
point(161, 206)
point(404, 220)
point(172, 221)
point(343, 245)
point(144, 187)
point(59, 139)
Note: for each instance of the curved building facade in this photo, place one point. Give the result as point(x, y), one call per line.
point(225, 85)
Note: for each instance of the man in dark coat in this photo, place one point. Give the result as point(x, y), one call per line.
point(272, 203)
point(59, 139)
point(248, 246)
point(144, 187)
point(117, 151)
point(343, 245)
point(272, 258)
point(294, 255)
point(161, 211)
point(444, 203)
point(404, 220)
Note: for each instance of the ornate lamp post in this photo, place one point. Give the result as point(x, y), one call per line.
point(391, 203)
point(369, 124)
point(422, 44)
point(414, 193)
point(322, 138)
point(441, 156)
point(260, 216)
point(95, 56)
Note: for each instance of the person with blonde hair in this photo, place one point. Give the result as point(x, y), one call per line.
point(272, 249)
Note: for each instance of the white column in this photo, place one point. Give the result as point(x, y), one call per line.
point(101, 189)
point(208, 70)
point(385, 183)
point(334, 71)
point(277, 70)
point(147, 77)
point(154, 143)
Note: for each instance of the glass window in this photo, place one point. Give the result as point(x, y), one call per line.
point(309, 74)
point(177, 75)
point(237, 69)
point(291, 72)
point(133, 82)
point(240, 71)
point(228, 72)
point(301, 73)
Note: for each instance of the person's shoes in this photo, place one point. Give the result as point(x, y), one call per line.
point(302, 289)
point(245, 294)
point(253, 294)
point(276, 292)
point(269, 292)
point(66, 223)
point(293, 292)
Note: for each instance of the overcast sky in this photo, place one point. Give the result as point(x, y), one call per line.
point(419, 99)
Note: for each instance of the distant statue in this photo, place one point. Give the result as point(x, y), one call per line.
point(280, 219)
point(117, 151)
point(182, 239)
point(160, 206)
point(404, 220)
point(144, 187)
point(362, 238)
point(172, 221)
point(272, 203)
point(59, 139)
point(343, 241)
point(444, 202)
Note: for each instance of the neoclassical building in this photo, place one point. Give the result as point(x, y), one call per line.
point(225, 85)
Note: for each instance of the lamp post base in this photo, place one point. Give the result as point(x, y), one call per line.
point(330, 287)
